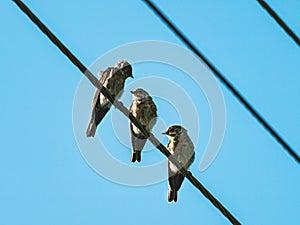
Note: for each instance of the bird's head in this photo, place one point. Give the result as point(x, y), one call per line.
point(175, 131)
point(125, 68)
point(139, 94)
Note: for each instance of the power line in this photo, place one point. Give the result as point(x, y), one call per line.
point(280, 22)
point(119, 105)
point(223, 79)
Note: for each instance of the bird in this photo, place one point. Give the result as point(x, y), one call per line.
point(182, 149)
point(113, 78)
point(145, 111)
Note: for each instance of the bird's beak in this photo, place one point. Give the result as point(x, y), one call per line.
point(132, 92)
point(164, 133)
point(131, 76)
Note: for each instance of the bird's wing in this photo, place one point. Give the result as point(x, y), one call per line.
point(103, 77)
point(175, 180)
point(153, 116)
point(184, 152)
point(137, 142)
point(153, 107)
point(98, 113)
point(147, 114)
point(153, 110)
point(96, 98)
point(171, 175)
point(185, 157)
point(178, 179)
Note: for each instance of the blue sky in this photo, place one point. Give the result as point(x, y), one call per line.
point(45, 179)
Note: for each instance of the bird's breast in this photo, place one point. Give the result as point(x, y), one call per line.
point(134, 109)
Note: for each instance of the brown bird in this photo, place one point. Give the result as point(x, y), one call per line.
point(182, 149)
point(113, 78)
point(144, 109)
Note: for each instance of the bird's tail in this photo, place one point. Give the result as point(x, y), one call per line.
point(172, 195)
point(96, 118)
point(91, 130)
point(136, 156)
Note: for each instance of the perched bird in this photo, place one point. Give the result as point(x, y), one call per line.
point(144, 109)
point(182, 149)
point(113, 78)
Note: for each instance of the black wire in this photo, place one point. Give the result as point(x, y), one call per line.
point(280, 22)
point(125, 111)
point(226, 82)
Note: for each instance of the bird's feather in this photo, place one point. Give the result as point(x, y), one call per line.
point(182, 149)
point(138, 142)
point(98, 114)
point(145, 112)
point(114, 82)
point(175, 181)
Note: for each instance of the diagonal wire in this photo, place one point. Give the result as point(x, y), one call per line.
point(224, 80)
point(280, 22)
point(125, 111)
